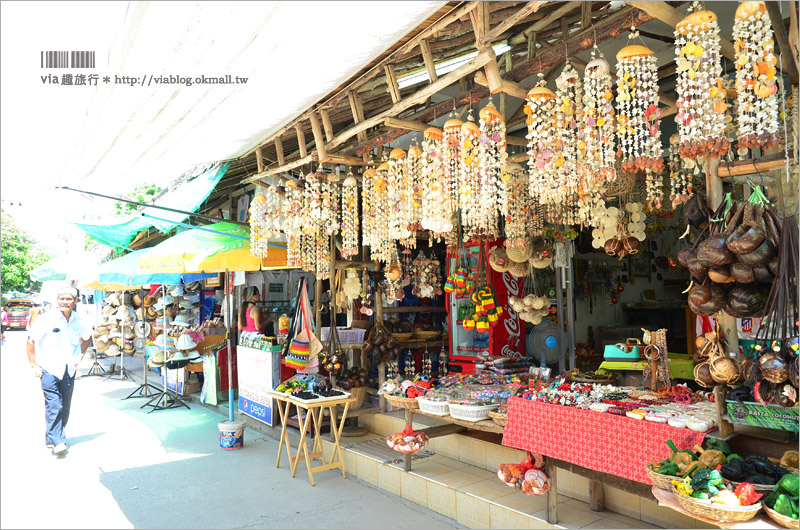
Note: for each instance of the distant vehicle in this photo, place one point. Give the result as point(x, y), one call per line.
point(19, 310)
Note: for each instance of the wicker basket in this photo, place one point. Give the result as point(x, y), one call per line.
point(660, 481)
point(401, 337)
point(400, 402)
point(360, 393)
point(786, 522)
point(764, 488)
point(470, 413)
point(717, 512)
point(498, 418)
point(426, 335)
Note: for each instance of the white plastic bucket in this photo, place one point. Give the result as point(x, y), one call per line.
point(231, 434)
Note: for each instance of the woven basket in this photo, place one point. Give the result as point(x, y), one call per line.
point(400, 402)
point(400, 337)
point(498, 418)
point(786, 522)
point(717, 512)
point(660, 481)
point(764, 488)
point(360, 393)
point(426, 335)
point(622, 184)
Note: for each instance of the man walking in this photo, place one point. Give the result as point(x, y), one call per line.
point(57, 342)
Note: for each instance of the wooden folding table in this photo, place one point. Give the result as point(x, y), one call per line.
point(314, 410)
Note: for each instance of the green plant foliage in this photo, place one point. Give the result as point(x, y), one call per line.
point(18, 257)
point(141, 193)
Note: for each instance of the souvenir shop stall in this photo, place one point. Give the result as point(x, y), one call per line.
point(485, 273)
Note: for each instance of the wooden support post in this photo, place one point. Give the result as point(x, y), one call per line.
point(395, 123)
point(358, 113)
point(326, 124)
point(564, 28)
point(503, 105)
point(259, 159)
point(586, 15)
point(319, 140)
point(790, 61)
point(727, 323)
point(301, 139)
point(427, 57)
point(596, 497)
point(794, 33)
point(725, 427)
point(480, 23)
point(279, 151)
point(317, 304)
point(391, 83)
point(543, 23)
point(531, 45)
point(508, 87)
point(552, 493)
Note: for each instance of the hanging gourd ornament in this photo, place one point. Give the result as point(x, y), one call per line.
point(701, 94)
point(638, 117)
point(756, 82)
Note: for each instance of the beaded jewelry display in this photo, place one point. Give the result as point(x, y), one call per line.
point(701, 94)
point(541, 140)
point(638, 117)
point(756, 84)
point(349, 216)
point(259, 243)
point(598, 120)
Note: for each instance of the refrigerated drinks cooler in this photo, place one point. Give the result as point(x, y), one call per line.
point(505, 338)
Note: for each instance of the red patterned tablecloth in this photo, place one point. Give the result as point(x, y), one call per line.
point(604, 442)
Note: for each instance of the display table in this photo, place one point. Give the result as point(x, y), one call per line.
point(679, 367)
point(314, 410)
point(606, 448)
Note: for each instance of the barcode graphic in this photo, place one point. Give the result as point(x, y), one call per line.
point(65, 59)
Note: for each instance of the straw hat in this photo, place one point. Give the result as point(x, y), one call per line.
point(114, 300)
point(156, 360)
point(140, 313)
point(193, 355)
point(148, 300)
point(102, 330)
point(122, 313)
point(520, 254)
point(113, 350)
point(141, 329)
point(150, 313)
point(137, 299)
point(138, 344)
point(181, 320)
point(185, 342)
point(128, 347)
point(108, 310)
point(128, 334)
point(129, 322)
point(101, 346)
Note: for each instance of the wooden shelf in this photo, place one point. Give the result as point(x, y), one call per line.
point(407, 309)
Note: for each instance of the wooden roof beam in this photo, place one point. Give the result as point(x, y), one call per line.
point(543, 23)
point(671, 16)
point(508, 23)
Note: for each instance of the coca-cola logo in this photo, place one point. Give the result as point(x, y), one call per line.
point(511, 283)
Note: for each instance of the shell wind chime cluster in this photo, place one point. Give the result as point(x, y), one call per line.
point(701, 93)
point(541, 137)
point(565, 150)
point(756, 82)
point(349, 216)
point(438, 200)
point(638, 117)
point(598, 121)
point(259, 227)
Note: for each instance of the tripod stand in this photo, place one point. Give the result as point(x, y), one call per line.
point(96, 368)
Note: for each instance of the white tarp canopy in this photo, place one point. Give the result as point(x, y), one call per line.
point(114, 135)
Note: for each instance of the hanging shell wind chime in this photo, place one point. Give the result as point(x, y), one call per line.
point(413, 192)
point(259, 243)
point(638, 117)
point(395, 182)
point(756, 84)
point(438, 205)
point(680, 174)
point(469, 178)
point(293, 224)
point(598, 120)
point(701, 94)
point(492, 159)
point(452, 140)
point(541, 140)
point(368, 208)
point(568, 95)
point(349, 216)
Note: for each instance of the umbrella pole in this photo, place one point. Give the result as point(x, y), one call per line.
point(144, 389)
point(228, 317)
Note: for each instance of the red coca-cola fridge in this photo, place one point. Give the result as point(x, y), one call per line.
point(506, 337)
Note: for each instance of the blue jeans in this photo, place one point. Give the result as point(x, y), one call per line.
point(57, 400)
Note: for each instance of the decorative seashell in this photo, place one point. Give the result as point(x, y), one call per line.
point(397, 153)
point(597, 68)
point(453, 125)
point(540, 93)
point(470, 128)
point(414, 151)
point(518, 269)
point(749, 9)
point(433, 133)
point(350, 181)
point(567, 78)
point(697, 21)
point(490, 114)
point(634, 50)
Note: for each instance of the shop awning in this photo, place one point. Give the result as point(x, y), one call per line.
point(120, 231)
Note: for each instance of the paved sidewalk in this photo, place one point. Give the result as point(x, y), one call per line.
point(129, 469)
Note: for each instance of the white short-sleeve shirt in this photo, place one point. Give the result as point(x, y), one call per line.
point(57, 342)
point(276, 286)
